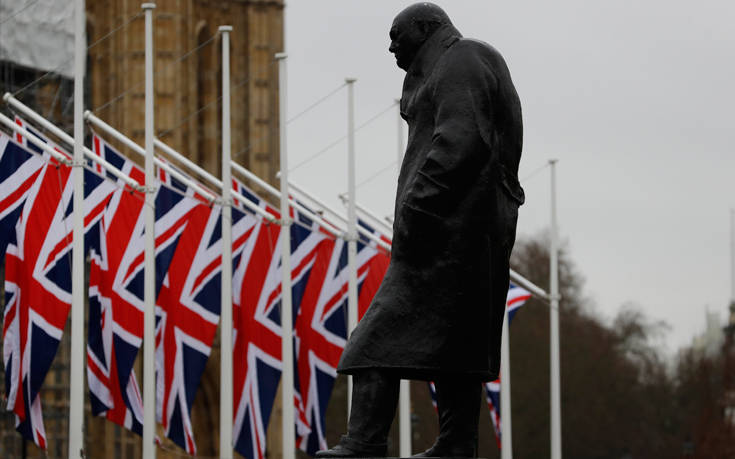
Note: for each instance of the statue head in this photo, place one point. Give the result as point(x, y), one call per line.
point(411, 28)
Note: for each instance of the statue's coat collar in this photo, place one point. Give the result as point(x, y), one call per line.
point(431, 51)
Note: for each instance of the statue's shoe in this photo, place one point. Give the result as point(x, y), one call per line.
point(339, 451)
point(351, 448)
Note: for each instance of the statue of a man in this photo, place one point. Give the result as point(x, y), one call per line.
point(438, 313)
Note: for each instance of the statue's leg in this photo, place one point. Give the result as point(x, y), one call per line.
point(459, 413)
point(374, 402)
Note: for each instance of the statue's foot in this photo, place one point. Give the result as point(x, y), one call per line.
point(350, 448)
point(339, 451)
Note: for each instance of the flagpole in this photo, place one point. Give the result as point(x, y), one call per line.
point(506, 438)
point(76, 368)
point(225, 383)
point(404, 398)
point(386, 228)
point(554, 334)
point(318, 219)
point(360, 230)
point(149, 317)
point(732, 256)
point(351, 224)
point(287, 378)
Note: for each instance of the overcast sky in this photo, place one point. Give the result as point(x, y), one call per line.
point(634, 98)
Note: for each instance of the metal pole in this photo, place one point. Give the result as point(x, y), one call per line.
point(76, 369)
point(386, 228)
point(554, 311)
point(149, 285)
point(506, 448)
point(287, 378)
point(351, 224)
point(732, 255)
point(319, 220)
point(225, 383)
point(48, 149)
point(528, 285)
point(66, 138)
point(91, 118)
point(404, 418)
point(360, 230)
point(404, 398)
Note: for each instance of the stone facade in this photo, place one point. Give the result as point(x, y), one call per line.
point(187, 72)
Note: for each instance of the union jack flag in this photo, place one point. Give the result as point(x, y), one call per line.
point(257, 321)
point(38, 282)
point(188, 309)
point(516, 298)
point(374, 268)
point(116, 292)
point(321, 328)
point(492, 397)
point(19, 169)
point(188, 312)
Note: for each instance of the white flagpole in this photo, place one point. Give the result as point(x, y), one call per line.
point(318, 219)
point(149, 314)
point(76, 369)
point(732, 256)
point(66, 138)
point(385, 227)
point(360, 230)
point(506, 440)
point(287, 377)
point(225, 383)
point(554, 311)
point(351, 224)
point(404, 398)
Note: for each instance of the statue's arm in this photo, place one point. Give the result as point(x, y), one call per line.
point(462, 91)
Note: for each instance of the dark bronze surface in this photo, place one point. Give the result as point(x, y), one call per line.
point(440, 306)
point(438, 313)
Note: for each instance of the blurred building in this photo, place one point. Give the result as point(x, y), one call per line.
point(711, 340)
point(187, 117)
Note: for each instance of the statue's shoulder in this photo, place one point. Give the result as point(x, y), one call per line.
point(471, 47)
point(469, 54)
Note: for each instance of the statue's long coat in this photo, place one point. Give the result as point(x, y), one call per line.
point(440, 307)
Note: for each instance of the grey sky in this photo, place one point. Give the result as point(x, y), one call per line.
point(633, 97)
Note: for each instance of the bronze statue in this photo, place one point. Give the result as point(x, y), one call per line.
point(439, 311)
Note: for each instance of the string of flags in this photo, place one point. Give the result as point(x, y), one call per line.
point(36, 240)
